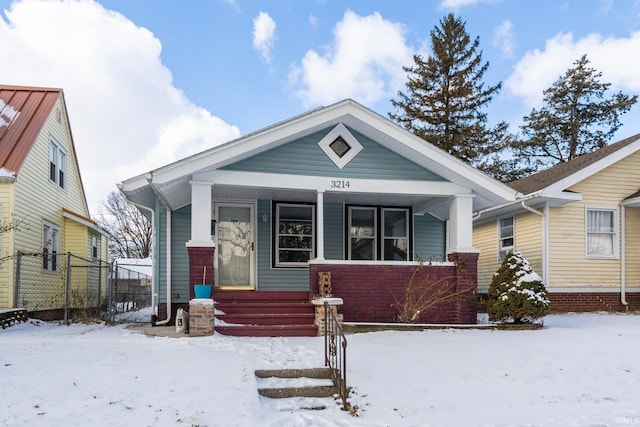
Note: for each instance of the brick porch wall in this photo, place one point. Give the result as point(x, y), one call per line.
point(563, 302)
point(199, 258)
point(372, 292)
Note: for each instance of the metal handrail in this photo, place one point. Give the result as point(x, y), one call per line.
point(335, 353)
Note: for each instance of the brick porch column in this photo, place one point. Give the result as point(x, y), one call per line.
point(199, 258)
point(467, 284)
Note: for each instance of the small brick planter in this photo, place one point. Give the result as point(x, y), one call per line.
point(201, 317)
point(334, 304)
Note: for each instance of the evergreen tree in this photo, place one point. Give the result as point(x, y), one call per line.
point(445, 95)
point(517, 293)
point(575, 119)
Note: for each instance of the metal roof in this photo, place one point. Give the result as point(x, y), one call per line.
point(23, 112)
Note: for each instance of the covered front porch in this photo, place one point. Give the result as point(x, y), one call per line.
point(339, 190)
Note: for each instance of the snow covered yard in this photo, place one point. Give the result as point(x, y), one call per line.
point(581, 370)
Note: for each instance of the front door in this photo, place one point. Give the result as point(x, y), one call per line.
point(235, 246)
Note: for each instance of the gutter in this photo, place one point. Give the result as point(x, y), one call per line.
point(168, 243)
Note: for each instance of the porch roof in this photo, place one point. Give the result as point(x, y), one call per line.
point(172, 182)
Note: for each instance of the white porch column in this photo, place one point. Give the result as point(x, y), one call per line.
point(461, 224)
point(320, 225)
point(200, 214)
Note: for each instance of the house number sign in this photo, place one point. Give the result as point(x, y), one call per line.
point(340, 183)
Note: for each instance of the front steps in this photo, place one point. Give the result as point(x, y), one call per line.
point(264, 314)
point(299, 388)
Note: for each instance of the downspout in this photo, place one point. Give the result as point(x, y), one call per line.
point(168, 240)
point(545, 230)
point(623, 255)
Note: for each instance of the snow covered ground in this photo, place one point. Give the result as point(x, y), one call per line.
point(580, 370)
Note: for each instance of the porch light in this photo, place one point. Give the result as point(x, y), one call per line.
point(265, 217)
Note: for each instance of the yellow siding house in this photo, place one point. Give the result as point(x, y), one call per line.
point(578, 224)
point(43, 209)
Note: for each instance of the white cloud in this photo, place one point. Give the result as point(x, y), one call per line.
point(125, 113)
point(614, 57)
point(364, 62)
point(503, 38)
point(457, 4)
point(264, 31)
point(313, 20)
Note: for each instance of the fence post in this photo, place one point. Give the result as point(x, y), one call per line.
point(16, 291)
point(99, 283)
point(110, 291)
point(67, 287)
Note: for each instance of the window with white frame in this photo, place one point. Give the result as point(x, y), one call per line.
point(94, 246)
point(294, 234)
point(50, 246)
point(57, 163)
point(602, 233)
point(507, 239)
point(372, 239)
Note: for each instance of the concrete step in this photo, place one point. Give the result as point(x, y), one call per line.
point(268, 330)
point(268, 318)
point(291, 383)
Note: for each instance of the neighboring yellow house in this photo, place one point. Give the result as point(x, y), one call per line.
point(43, 209)
point(578, 224)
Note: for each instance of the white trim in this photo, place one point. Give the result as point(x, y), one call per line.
point(616, 233)
point(252, 239)
point(331, 185)
point(354, 146)
point(590, 289)
point(374, 262)
point(500, 238)
point(356, 117)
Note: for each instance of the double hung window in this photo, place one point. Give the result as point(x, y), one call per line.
point(507, 238)
point(50, 246)
point(377, 233)
point(295, 234)
point(602, 233)
point(57, 163)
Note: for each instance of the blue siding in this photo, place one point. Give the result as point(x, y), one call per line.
point(374, 161)
point(334, 231)
point(429, 238)
point(161, 251)
point(180, 235)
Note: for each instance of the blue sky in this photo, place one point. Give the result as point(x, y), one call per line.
point(148, 82)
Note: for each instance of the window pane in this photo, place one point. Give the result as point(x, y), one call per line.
point(362, 249)
point(362, 222)
point(288, 227)
point(296, 212)
point(600, 221)
point(289, 242)
point(395, 223)
point(294, 256)
point(600, 244)
point(395, 249)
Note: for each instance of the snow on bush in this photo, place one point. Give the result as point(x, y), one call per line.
point(517, 293)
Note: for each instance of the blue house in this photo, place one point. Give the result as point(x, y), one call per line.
point(339, 190)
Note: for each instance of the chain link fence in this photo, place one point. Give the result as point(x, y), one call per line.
point(68, 287)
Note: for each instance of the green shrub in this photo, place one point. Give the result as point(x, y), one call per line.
point(517, 293)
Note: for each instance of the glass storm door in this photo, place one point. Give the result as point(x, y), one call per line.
point(235, 249)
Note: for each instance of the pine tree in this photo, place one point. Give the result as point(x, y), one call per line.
point(516, 292)
point(445, 95)
point(575, 119)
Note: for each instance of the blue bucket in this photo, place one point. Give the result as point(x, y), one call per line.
point(202, 291)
